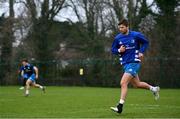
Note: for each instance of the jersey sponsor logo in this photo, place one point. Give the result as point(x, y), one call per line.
point(130, 47)
point(120, 43)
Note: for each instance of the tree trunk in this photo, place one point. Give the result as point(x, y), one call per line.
point(7, 41)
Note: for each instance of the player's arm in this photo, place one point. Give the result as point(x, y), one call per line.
point(116, 48)
point(144, 44)
point(22, 73)
point(143, 41)
point(36, 71)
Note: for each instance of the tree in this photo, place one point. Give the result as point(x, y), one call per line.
point(42, 14)
point(7, 40)
point(167, 22)
point(93, 23)
point(138, 10)
point(116, 12)
point(168, 51)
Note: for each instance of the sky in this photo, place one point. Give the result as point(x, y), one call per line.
point(62, 16)
point(18, 8)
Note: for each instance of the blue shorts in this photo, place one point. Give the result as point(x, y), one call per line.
point(132, 68)
point(32, 77)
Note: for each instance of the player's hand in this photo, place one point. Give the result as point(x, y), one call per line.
point(122, 49)
point(141, 56)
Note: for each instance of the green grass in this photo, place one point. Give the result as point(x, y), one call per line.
point(82, 102)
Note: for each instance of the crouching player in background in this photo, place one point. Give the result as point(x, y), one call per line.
point(30, 73)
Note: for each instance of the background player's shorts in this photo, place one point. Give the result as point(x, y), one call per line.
point(132, 68)
point(25, 76)
point(32, 77)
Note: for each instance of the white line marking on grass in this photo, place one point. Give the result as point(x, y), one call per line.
point(137, 106)
point(144, 105)
point(155, 106)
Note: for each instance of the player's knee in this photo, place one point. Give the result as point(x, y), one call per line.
point(27, 83)
point(123, 84)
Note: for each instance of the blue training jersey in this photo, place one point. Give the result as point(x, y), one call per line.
point(134, 43)
point(19, 72)
point(20, 69)
point(28, 70)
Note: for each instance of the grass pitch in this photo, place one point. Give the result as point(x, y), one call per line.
point(87, 102)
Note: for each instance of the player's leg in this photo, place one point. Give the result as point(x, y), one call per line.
point(22, 83)
point(130, 69)
point(32, 78)
point(28, 83)
point(23, 80)
point(39, 86)
point(124, 85)
point(139, 84)
point(124, 89)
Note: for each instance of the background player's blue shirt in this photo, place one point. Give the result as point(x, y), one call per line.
point(19, 72)
point(28, 70)
point(134, 42)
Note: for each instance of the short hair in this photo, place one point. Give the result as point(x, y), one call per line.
point(24, 60)
point(124, 22)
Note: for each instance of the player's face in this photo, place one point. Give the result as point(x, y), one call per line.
point(24, 63)
point(123, 29)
